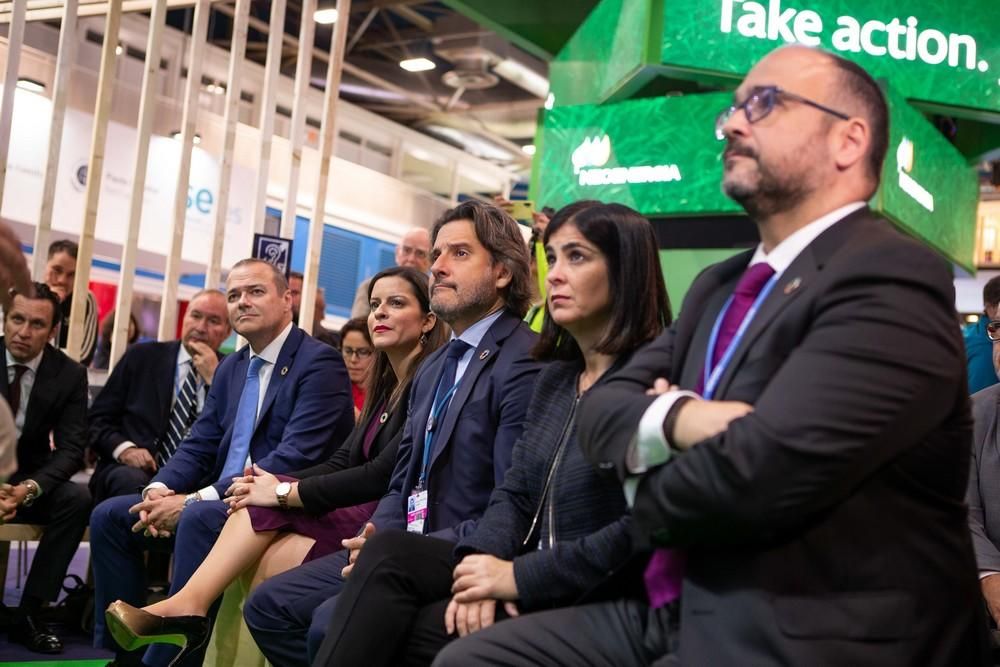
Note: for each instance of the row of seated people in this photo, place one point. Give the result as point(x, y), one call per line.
point(802, 494)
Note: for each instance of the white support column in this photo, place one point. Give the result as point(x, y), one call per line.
point(95, 174)
point(303, 72)
point(147, 108)
point(60, 87)
point(168, 304)
point(272, 71)
point(453, 193)
point(230, 119)
point(15, 38)
point(328, 132)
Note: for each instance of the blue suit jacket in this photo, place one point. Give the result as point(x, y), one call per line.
point(307, 412)
point(472, 452)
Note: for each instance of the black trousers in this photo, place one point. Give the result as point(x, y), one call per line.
point(622, 633)
point(64, 511)
point(117, 479)
point(391, 610)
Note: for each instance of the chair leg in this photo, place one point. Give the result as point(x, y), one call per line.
point(4, 555)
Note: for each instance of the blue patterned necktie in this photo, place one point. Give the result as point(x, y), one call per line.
point(181, 416)
point(246, 421)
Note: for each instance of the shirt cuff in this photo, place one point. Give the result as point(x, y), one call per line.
point(986, 573)
point(650, 448)
point(117, 452)
point(208, 493)
point(152, 485)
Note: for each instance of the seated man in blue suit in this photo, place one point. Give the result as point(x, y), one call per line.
point(282, 402)
point(153, 397)
point(467, 408)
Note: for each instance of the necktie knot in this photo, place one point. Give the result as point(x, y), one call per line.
point(254, 368)
point(457, 348)
point(19, 371)
point(753, 280)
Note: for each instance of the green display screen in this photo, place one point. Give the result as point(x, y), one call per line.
point(927, 188)
point(660, 157)
point(929, 50)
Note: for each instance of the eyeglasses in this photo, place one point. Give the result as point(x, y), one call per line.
point(761, 102)
point(359, 352)
point(993, 330)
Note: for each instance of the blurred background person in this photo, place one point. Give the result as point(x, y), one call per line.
point(102, 357)
point(979, 345)
point(60, 272)
point(356, 346)
point(413, 250)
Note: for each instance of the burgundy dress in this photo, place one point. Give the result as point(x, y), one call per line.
point(328, 529)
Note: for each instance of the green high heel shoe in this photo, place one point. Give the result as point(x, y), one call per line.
point(133, 628)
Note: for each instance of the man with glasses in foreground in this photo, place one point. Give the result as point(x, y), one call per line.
point(980, 339)
point(802, 491)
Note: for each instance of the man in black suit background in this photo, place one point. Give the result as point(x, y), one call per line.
point(148, 403)
point(809, 473)
point(47, 393)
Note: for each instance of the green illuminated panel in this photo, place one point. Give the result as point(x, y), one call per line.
point(930, 50)
point(938, 178)
point(659, 155)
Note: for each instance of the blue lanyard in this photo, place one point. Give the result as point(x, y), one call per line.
point(432, 426)
point(714, 375)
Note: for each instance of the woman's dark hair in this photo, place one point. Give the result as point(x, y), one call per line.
point(358, 324)
point(383, 385)
point(640, 308)
point(108, 325)
point(501, 236)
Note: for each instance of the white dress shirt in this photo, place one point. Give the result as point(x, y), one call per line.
point(27, 383)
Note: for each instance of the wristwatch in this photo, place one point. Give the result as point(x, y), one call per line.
point(191, 498)
point(282, 491)
point(32, 487)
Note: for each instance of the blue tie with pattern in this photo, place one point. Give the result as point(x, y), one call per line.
point(246, 420)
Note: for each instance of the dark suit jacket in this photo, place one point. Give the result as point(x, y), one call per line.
point(472, 451)
point(348, 477)
point(828, 527)
point(984, 479)
point(307, 412)
point(582, 527)
point(135, 402)
point(57, 405)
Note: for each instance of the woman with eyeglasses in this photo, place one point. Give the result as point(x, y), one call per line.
point(279, 522)
point(356, 346)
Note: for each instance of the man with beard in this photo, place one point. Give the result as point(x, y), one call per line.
point(153, 397)
point(468, 405)
point(803, 488)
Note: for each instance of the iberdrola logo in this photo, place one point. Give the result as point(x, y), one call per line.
point(594, 152)
point(905, 158)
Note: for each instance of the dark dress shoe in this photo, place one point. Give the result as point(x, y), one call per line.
point(132, 628)
point(36, 636)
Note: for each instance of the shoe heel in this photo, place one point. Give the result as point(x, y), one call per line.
point(188, 648)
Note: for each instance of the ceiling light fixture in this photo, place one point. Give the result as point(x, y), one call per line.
point(325, 16)
point(31, 85)
point(119, 50)
point(417, 64)
point(529, 149)
point(176, 134)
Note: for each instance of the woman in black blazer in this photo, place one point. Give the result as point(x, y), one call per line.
point(292, 519)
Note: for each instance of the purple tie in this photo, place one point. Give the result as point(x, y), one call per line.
point(666, 568)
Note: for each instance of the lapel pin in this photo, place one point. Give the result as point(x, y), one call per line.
point(793, 285)
point(382, 419)
point(284, 370)
point(485, 354)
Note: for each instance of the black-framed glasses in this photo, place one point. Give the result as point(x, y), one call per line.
point(761, 102)
point(993, 330)
point(359, 352)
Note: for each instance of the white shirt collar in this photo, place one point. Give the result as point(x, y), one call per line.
point(183, 356)
point(783, 254)
point(270, 353)
point(474, 334)
point(32, 364)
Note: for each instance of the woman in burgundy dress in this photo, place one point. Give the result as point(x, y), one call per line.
point(279, 522)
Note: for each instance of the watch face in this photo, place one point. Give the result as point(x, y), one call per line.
point(283, 488)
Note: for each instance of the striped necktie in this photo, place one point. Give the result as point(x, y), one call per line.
point(181, 416)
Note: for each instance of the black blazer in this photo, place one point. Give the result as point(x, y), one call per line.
point(57, 405)
point(135, 403)
point(829, 526)
point(348, 478)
